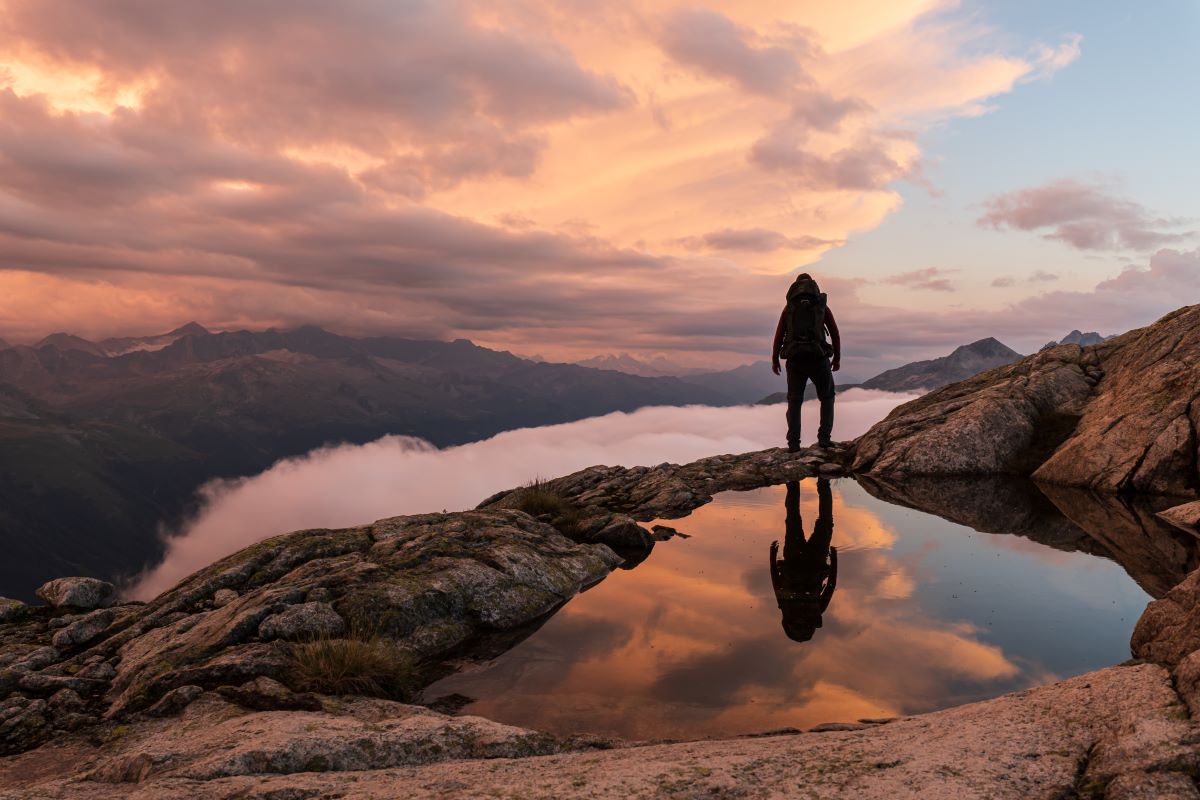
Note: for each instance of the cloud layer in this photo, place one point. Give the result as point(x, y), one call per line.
point(538, 176)
point(351, 485)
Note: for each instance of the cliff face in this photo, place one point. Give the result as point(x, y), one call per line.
point(1122, 415)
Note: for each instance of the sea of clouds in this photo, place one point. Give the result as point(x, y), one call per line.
point(345, 485)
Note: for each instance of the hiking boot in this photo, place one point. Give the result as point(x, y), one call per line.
point(825, 444)
point(793, 447)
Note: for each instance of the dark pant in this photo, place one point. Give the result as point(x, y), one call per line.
point(800, 371)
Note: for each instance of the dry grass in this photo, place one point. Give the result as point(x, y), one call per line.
point(369, 666)
point(537, 499)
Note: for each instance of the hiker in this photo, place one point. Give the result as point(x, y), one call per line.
point(804, 579)
point(800, 339)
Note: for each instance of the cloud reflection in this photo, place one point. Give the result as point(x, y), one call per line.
point(707, 655)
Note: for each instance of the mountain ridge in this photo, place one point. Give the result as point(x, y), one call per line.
point(117, 445)
point(963, 362)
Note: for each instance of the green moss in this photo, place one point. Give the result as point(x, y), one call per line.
point(113, 734)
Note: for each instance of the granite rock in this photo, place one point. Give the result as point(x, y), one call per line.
point(77, 592)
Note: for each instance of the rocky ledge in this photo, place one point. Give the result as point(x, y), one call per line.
point(1119, 416)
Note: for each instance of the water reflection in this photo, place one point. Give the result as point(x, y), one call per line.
point(929, 613)
point(805, 578)
point(1122, 528)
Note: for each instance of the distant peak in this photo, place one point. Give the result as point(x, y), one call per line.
point(989, 345)
point(61, 338)
point(190, 329)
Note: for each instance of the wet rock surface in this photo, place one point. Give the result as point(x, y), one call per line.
point(1156, 555)
point(1124, 529)
point(1122, 415)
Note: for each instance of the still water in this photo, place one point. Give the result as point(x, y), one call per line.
point(863, 609)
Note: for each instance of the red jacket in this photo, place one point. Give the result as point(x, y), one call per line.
point(835, 338)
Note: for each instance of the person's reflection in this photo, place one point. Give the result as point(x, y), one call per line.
point(805, 577)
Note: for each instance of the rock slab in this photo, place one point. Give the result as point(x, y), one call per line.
point(1119, 416)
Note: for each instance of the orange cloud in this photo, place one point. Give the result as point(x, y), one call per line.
point(355, 158)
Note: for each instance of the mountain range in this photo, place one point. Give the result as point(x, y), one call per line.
point(101, 443)
point(652, 367)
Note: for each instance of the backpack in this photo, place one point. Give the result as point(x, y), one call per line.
point(804, 331)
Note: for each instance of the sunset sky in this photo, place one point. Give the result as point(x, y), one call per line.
point(578, 178)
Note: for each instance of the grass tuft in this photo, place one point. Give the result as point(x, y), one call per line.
point(537, 499)
point(372, 666)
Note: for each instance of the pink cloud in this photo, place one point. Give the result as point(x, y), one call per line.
point(1085, 216)
point(759, 240)
point(864, 165)
point(930, 278)
point(283, 162)
point(715, 45)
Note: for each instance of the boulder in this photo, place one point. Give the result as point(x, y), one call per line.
point(223, 597)
point(83, 629)
point(78, 593)
point(302, 621)
point(623, 533)
point(1003, 421)
point(1139, 432)
point(10, 609)
point(1169, 629)
point(23, 722)
point(1186, 517)
point(66, 701)
point(1117, 416)
point(435, 585)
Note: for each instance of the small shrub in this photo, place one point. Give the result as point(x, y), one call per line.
point(371, 666)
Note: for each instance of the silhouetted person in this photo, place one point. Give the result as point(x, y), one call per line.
point(805, 578)
point(800, 339)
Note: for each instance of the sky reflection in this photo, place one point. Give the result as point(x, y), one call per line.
point(926, 614)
